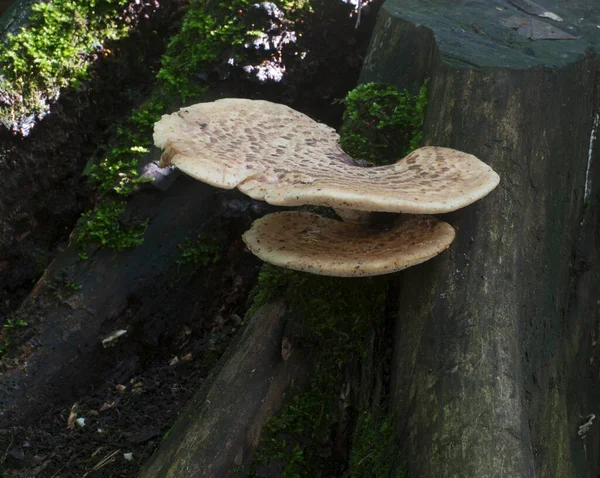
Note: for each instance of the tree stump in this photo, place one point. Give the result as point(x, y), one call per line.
point(495, 367)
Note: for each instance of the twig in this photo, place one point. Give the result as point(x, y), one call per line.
point(358, 10)
point(12, 438)
point(107, 460)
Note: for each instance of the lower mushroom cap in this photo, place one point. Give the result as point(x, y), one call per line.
point(311, 243)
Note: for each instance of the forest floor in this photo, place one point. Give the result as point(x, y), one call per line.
point(112, 430)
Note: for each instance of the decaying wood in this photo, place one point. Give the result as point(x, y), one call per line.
point(60, 353)
point(42, 190)
point(220, 429)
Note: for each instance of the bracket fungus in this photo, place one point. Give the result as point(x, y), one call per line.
point(311, 243)
point(276, 154)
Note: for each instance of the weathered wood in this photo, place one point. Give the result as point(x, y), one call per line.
point(15, 14)
point(495, 365)
point(60, 354)
point(220, 428)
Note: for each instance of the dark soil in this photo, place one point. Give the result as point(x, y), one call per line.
point(120, 418)
point(134, 411)
point(149, 384)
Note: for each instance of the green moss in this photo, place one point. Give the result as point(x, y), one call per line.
point(116, 176)
point(117, 172)
point(204, 250)
point(63, 284)
point(103, 226)
point(381, 123)
point(272, 282)
point(53, 51)
point(8, 330)
point(209, 30)
point(336, 314)
point(374, 448)
point(74, 286)
point(13, 324)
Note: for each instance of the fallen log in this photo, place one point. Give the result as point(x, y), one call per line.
point(220, 428)
point(495, 367)
point(77, 304)
point(43, 191)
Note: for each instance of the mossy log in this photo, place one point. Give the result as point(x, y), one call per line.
point(59, 354)
point(43, 192)
point(495, 369)
point(220, 428)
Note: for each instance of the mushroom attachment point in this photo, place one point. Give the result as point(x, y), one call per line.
point(307, 242)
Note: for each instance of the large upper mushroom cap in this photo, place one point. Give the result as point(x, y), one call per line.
point(308, 242)
point(276, 154)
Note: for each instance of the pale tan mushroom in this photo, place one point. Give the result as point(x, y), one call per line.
point(307, 242)
point(276, 154)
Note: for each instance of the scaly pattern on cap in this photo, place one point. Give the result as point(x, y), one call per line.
point(311, 243)
point(276, 154)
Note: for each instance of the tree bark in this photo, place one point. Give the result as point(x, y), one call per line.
point(15, 14)
point(220, 428)
point(495, 365)
point(60, 354)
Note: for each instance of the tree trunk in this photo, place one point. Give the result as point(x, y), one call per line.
point(495, 366)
